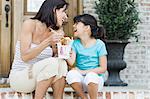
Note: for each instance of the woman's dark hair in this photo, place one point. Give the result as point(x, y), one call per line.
point(46, 12)
point(98, 32)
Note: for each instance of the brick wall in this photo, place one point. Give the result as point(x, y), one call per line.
point(137, 54)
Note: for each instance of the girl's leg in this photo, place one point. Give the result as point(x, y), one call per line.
point(93, 83)
point(74, 78)
point(58, 88)
point(93, 90)
point(42, 87)
point(78, 89)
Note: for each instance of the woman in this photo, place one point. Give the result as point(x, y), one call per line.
point(33, 67)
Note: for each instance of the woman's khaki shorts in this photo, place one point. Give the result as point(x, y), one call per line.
point(25, 80)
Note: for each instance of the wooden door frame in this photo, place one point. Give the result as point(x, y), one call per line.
point(5, 41)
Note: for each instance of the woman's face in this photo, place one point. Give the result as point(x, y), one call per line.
point(61, 16)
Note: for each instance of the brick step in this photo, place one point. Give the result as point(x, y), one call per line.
point(106, 93)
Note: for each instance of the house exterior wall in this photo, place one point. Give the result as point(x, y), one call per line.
point(137, 54)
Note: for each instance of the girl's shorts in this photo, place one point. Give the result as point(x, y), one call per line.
point(74, 76)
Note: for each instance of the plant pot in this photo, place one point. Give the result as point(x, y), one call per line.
point(115, 62)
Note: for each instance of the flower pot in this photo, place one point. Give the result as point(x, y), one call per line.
point(115, 62)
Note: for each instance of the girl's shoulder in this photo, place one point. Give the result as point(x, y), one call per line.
point(100, 42)
point(76, 41)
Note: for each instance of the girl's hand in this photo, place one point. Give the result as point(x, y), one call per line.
point(83, 72)
point(71, 52)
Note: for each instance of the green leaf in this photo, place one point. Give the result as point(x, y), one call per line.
point(119, 17)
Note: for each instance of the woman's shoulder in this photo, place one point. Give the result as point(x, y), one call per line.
point(29, 22)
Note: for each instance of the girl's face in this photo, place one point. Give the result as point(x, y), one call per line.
point(79, 29)
point(61, 16)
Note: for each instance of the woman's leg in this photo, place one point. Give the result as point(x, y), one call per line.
point(20, 82)
point(58, 88)
point(74, 78)
point(50, 68)
point(42, 87)
point(44, 71)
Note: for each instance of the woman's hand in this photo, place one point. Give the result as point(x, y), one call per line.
point(55, 36)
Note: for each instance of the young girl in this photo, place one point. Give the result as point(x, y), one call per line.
point(89, 53)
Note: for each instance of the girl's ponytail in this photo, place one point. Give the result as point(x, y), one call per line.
point(98, 32)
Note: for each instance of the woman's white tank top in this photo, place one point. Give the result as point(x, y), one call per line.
point(19, 64)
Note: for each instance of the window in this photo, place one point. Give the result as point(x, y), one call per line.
point(32, 6)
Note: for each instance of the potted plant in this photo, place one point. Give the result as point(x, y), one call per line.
point(120, 19)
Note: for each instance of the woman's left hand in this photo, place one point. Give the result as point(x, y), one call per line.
point(60, 31)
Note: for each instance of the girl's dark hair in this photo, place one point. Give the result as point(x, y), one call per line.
point(46, 13)
point(98, 32)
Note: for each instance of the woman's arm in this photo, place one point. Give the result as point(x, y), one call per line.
point(98, 70)
point(28, 53)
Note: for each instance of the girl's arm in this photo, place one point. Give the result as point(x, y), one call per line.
point(72, 59)
point(98, 70)
point(28, 53)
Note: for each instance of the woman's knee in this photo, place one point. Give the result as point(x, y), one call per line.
point(60, 80)
point(20, 82)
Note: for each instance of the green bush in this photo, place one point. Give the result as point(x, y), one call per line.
point(119, 17)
